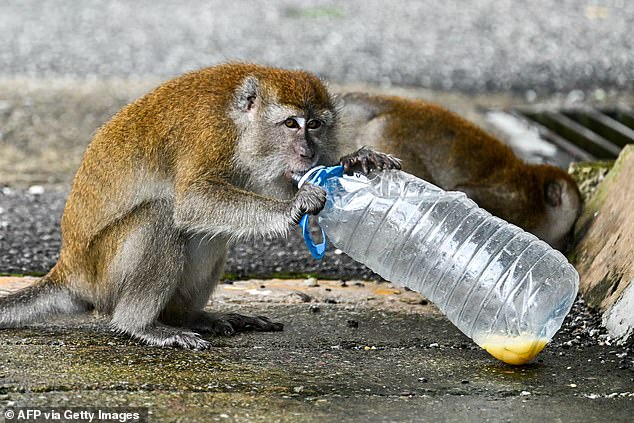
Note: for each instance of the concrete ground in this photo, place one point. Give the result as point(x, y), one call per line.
point(359, 352)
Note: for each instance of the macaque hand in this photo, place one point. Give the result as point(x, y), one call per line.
point(366, 160)
point(310, 199)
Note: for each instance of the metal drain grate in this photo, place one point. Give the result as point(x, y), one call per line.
point(582, 134)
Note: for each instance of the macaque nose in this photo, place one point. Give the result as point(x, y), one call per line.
point(305, 150)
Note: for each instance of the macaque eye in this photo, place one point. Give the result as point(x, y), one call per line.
point(313, 124)
point(291, 123)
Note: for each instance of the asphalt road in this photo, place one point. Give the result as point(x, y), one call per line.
point(486, 45)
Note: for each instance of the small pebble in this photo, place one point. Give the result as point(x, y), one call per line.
point(314, 308)
point(311, 282)
point(36, 190)
point(352, 323)
point(298, 296)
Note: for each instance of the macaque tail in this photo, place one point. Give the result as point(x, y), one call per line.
point(45, 298)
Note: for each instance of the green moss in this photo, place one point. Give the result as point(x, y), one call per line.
point(598, 190)
point(589, 176)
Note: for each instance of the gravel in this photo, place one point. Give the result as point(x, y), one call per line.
point(473, 46)
point(29, 229)
point(30, 240)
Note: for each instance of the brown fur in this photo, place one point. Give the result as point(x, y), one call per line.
point(167, 183)
point(180, 132)
point(453, 153)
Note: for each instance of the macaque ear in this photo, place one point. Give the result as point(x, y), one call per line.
point(247, 97)
point(552, 193)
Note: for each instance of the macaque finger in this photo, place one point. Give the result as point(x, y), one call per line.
point(364, 166)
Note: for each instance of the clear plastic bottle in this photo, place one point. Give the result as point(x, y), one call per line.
point(501, 286)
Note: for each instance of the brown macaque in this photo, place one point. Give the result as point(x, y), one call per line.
point(453, 153)
point(164, 187)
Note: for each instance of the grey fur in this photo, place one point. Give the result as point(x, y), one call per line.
point(43, 299)
point(160, 257)
point(246, 94)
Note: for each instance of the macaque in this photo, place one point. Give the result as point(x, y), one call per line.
point(201, 161)
point(451, 152)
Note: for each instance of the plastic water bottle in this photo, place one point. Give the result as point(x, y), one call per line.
point(501, 286)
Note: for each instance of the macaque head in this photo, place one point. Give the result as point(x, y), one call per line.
point(287, 123)
point(563, 205)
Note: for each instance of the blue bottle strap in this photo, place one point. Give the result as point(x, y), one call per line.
point(317, 250)
point(317, 176)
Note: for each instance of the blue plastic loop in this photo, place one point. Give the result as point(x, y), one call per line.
point(317, 176)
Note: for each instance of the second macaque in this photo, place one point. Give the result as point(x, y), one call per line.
point(453, 153)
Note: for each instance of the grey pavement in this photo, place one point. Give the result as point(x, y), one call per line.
point(540, 45)
point(342, 356)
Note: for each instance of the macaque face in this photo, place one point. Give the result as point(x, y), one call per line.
point(286, 126)
point(301, 138)
point(288, 142)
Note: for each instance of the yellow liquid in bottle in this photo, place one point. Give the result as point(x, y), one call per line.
point(513, 349)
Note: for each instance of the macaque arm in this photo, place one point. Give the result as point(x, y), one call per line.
point(215, 206)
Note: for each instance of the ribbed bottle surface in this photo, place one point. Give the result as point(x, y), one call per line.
point(493, 280)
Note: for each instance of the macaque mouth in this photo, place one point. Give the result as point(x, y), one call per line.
point(294, 176)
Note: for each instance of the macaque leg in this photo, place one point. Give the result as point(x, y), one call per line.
point(203, 265)
point(145, 272)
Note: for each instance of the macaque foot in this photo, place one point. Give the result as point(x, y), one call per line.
point(167, 336)
point(366, 160)
point(231, 323)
